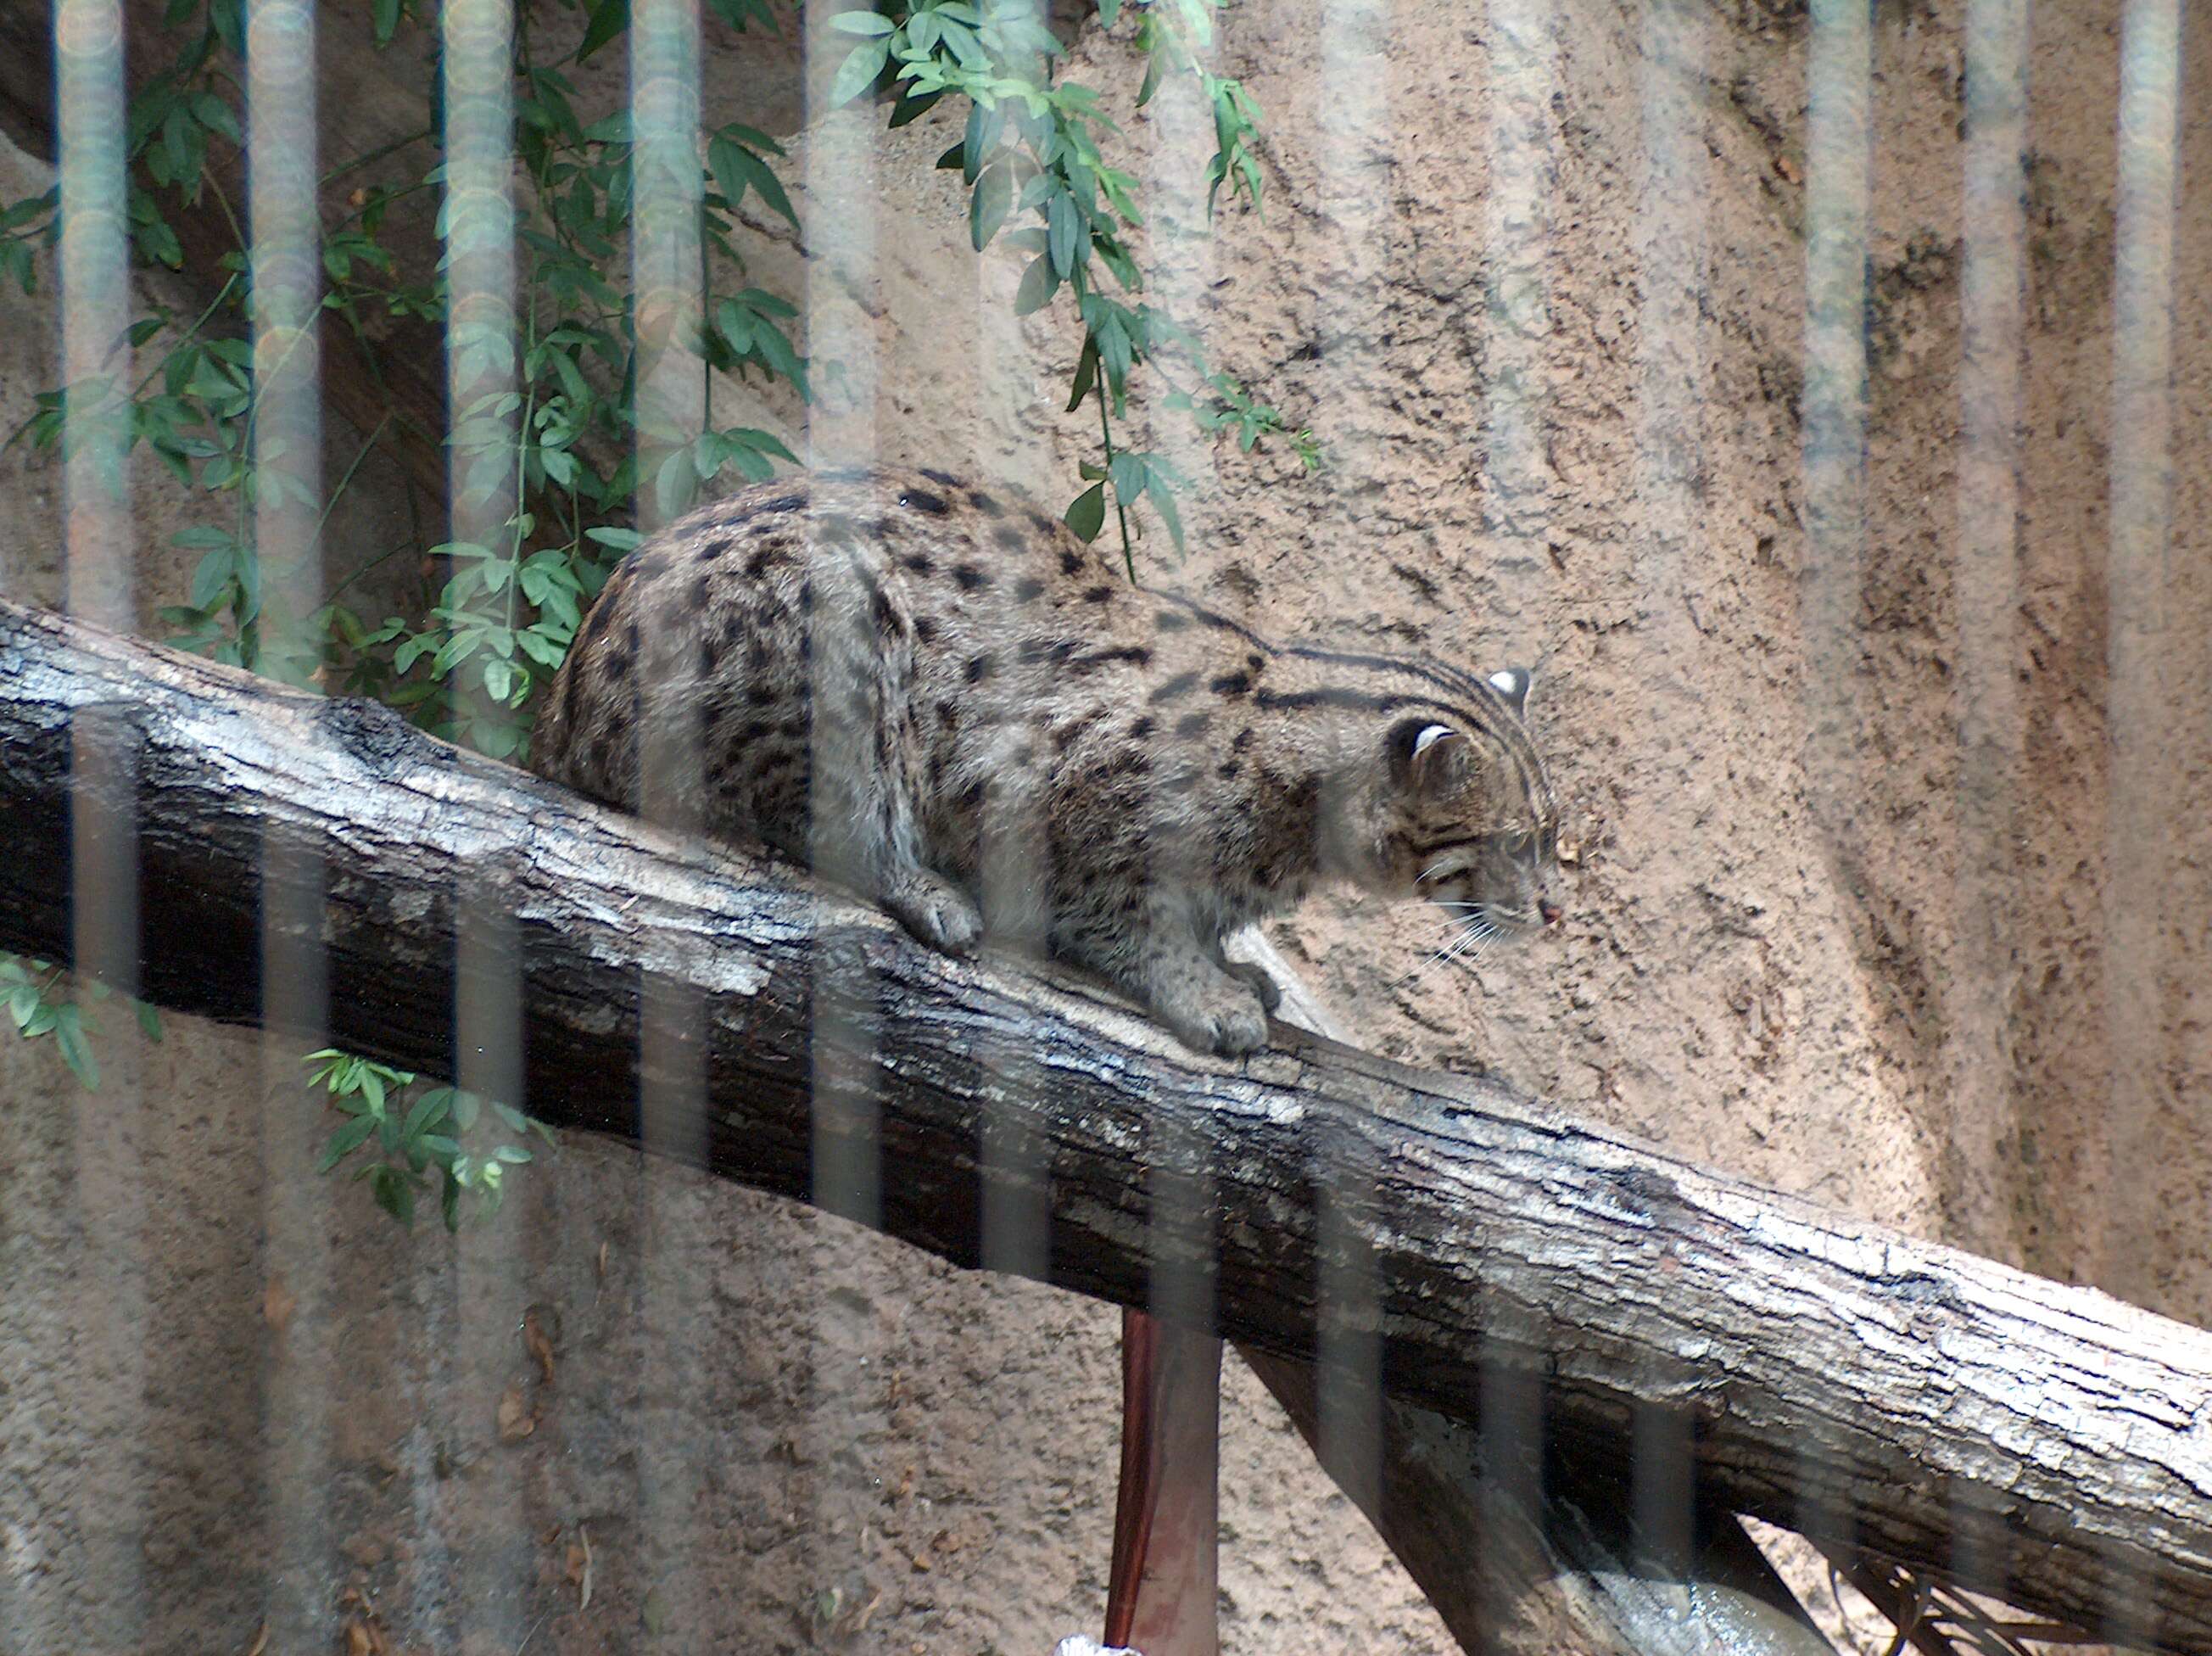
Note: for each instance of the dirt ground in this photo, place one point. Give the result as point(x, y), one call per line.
point(1890, 848)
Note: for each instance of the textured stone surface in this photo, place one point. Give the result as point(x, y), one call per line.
point(1537, 278)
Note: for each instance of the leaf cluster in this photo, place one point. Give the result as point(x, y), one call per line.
point(1032, 148)
point(27, 987)
point(418, 1136)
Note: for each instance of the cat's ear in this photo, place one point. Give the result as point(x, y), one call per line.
point(1512, 684)
point(1429, 757)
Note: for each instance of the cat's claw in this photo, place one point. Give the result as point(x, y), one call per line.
point(1229, 1020)
point(937, 911)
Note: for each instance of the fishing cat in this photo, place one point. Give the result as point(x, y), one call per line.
point(938, 695)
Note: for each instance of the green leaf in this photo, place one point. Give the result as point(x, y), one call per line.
point(987, 208)
point(1039, 283)
point(547, 652)
point(215, 114)
point(1063, 224)
point(213, 576)
point(150, 1020)
point(394, 1192)
point(560, 465)
point(977, 141)
point(69, 1031)
point(776, 352)
point(857, 72)
point(1163, 499)
point(429, 1109)
point(965, 46)
point(765, 183)
point(388, 21)
point(343, 1143)
point(862, 22)
point(722, 157)
point(1108, 11)
point(767, 304)
point(1086, 513)
point(764, 442)
point(1086, 374)
point(912, 107)
point(1153, 70)
point(609, 19)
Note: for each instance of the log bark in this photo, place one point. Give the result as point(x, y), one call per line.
point(2039, 1442)
point(1517, 1556)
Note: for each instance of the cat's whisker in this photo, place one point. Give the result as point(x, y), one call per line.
point(1470, 938)
point(1459, 932)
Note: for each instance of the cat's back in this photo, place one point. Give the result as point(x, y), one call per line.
point(968, 606)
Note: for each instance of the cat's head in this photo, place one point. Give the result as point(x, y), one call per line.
point(1465, 815)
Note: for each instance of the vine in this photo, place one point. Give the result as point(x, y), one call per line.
point(1031, 145)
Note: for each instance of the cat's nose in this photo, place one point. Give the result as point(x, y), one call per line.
point(1553, 912)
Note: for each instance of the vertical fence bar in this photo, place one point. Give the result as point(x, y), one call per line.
point(1993, 284)
point(1671, 260)
point(1013, 856)
point(1524, 72)
point(1180, 1175)
point(2138, 574)
point(1177, 1608)
point(1356, 134)
point(469, 1316)
point(1014, 851)
point(1838, 148)
point(845, 1361)
point(285, 268)
point(106, 1364)
point(841, 283)
point(2142, 691)
point(674, 405)
point(1986, 582)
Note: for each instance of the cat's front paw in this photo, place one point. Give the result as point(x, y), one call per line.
point(937, 911)
point(1226, 1017)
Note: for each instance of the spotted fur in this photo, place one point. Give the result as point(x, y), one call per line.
point(939, 695)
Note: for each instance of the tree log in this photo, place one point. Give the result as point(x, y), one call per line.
point(2042, 1443)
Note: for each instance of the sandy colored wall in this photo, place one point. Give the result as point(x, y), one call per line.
point(1843, 919)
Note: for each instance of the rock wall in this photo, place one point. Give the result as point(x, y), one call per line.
point(1889, 879)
